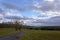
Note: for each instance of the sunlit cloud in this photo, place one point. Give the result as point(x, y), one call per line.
point(11, 13)
point(49, 0)
point(1, 16)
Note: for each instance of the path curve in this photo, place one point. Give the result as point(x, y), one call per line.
point(14, 36)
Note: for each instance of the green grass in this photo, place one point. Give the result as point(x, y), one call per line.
point(41, 35)
point(6, 31)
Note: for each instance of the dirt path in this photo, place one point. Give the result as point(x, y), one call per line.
point(16, 36)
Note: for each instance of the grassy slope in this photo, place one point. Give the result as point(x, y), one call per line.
point(41, 35)
point(6, 31)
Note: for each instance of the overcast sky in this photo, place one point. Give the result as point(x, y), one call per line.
point(39, 12)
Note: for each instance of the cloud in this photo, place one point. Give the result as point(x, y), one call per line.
point(1, 11)
point(54, 21)
point(1, 16)
point(48, 7)
point(49, 0)
point(48, 10)
point(12, 14)
point(36, 4)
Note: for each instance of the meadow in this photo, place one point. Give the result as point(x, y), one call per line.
point(32, 34)
point(41, 35)
point(7, 31)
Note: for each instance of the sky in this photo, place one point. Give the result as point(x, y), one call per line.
point(36, 12)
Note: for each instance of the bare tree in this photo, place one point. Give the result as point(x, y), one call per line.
point(18, 24)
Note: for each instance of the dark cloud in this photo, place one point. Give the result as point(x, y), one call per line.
point(13, 17)
point(54, 21)
point(46, 6)
point(1, 11)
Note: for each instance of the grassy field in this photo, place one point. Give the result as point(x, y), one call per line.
point(6, 31)
point(33, 34)
point(41, 35)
